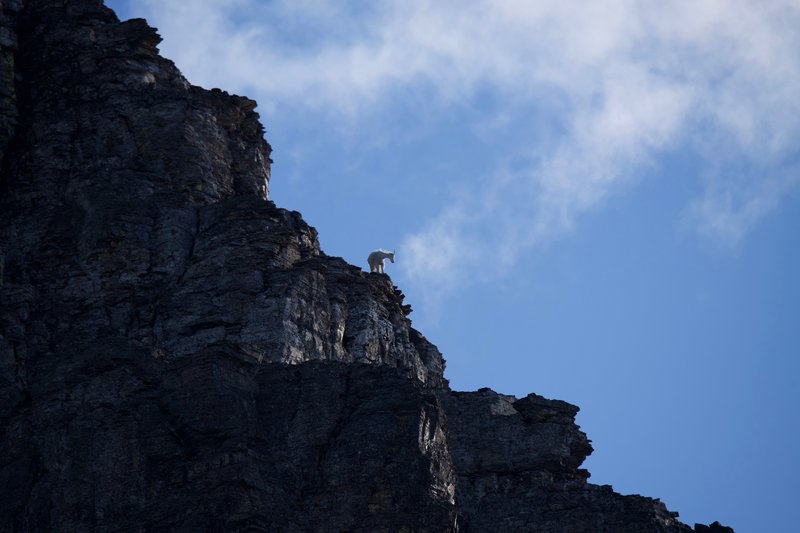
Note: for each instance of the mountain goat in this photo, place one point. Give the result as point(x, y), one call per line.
point(377, 258)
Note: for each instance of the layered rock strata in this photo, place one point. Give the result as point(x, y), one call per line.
point(176, 352)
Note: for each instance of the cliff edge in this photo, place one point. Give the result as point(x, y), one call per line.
point(177, 353)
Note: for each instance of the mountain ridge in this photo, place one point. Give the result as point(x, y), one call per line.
point(177, 353)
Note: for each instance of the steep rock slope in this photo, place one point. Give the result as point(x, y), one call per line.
point(176, 353)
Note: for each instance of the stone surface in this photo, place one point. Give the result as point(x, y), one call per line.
point(716, 527)
point(177, 353)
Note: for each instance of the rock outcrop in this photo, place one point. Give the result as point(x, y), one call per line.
point(177, 353)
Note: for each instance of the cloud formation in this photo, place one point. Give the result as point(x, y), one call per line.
point(620, 83)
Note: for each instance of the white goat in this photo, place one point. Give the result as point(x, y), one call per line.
point(377, 258)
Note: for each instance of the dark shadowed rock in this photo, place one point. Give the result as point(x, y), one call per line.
point(177, 353)
point(716, 527)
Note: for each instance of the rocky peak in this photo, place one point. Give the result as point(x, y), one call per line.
point(177, 353)
point(146, 198)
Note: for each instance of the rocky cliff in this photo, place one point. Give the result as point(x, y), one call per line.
point(177, 353)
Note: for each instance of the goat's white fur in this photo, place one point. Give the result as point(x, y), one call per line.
point(376, 259)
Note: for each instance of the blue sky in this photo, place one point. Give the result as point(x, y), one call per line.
point(597, 202)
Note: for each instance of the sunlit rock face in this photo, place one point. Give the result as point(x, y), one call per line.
point(176, 352)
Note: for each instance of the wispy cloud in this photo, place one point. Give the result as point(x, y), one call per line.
point(620, 82)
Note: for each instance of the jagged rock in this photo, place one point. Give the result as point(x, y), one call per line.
point(716, 527)
point(177, 353)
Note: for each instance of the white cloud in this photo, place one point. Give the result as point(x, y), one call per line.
point(625, 81)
